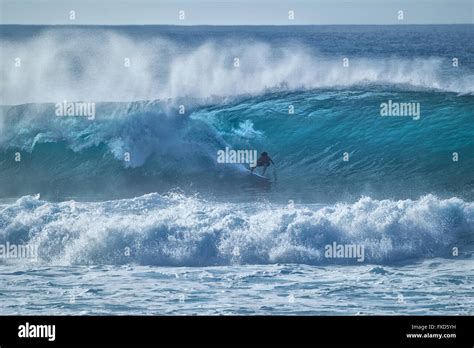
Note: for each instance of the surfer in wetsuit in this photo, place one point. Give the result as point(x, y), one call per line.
point(264, 161)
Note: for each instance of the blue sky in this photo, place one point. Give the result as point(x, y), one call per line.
point(236, 12)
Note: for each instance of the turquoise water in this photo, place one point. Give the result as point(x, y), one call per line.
point(135, 236)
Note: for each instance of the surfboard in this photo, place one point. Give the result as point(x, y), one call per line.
point(258, 175)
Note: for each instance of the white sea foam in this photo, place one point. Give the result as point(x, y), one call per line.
point(90, 67)
point(187, 231)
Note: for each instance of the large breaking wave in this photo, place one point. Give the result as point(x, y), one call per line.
point(92, 67)
point(187, 231)
point(390, 158)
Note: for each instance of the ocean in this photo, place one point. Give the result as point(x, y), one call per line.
point(126, 210)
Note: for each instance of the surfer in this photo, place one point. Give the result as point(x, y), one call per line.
point(264, 161)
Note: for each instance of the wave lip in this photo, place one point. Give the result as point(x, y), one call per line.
point(175, 230)
point(88, 69)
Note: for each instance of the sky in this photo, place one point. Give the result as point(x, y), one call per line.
point(236, 12)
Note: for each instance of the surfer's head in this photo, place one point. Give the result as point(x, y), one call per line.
point(264, 154)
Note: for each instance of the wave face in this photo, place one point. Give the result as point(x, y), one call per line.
point(72, 157)
point(188, 231)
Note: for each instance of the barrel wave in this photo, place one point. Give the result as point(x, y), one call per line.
point(388, 157)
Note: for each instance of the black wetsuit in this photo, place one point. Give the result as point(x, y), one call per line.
point(264, 161)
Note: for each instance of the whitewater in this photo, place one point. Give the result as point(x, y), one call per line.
point(172, 231)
